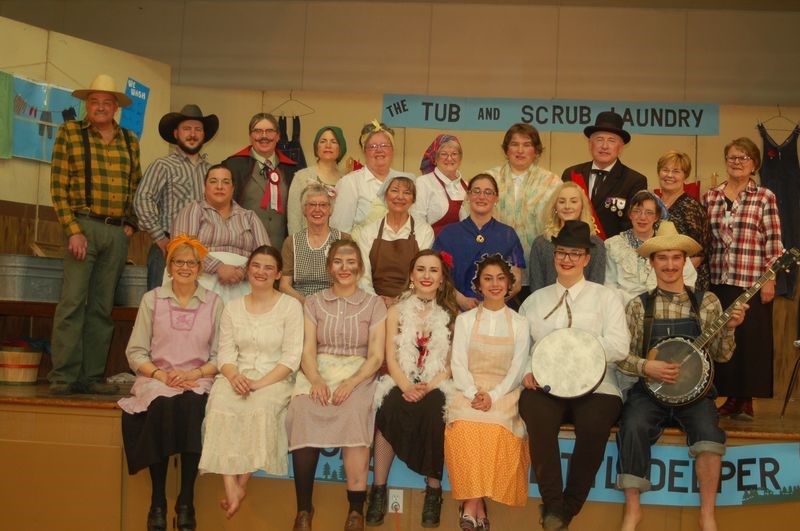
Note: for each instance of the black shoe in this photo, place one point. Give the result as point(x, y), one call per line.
point(157, 519)
point(99, 388)
point(184, 518)
point(377, 505)
point(61, 389)
point(432, 507)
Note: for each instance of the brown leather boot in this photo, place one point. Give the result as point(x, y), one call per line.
point(302, 522)
point(354, 522)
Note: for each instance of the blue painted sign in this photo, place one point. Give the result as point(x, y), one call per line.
point(133, 115)
point(752, 474)
point(498, 114)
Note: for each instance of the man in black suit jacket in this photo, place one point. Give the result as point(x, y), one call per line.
point(606, 180)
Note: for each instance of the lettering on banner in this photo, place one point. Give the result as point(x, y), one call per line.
point(397, 108)
point(442, 112)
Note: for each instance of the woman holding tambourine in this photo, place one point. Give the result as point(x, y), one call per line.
point(571, 307)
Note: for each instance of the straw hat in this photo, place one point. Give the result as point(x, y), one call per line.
point(667, 238)
point(103, 83)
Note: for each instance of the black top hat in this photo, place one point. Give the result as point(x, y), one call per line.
point(574, 233)
point(171, 120)
point(611, 122)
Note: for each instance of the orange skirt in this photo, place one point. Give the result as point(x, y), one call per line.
point(486, 460)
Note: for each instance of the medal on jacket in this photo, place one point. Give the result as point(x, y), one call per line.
point(272, 192)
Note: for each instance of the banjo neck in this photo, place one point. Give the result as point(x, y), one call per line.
point(786, 259)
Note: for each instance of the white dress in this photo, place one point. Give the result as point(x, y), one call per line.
point(245, 434)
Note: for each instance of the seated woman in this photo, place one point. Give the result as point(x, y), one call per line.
point(568, 202)
point(626, 271)
point(389, 244)
point(332, 403)
point(330, 148)
point(440, 189)
point(260, 344)
point(485, 446)
point(304, 252)
point(411, 397)
point(229, 231)
point(172, 350)
point(479, 234)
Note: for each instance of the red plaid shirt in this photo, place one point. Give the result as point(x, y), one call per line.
point(745, 240)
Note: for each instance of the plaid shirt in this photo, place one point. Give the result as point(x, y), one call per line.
point(114, 175)
point(745, 240)
point(675, 306)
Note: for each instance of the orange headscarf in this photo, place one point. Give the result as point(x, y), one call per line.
point(188, 240)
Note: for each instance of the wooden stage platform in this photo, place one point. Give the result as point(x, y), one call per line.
point(64, 469)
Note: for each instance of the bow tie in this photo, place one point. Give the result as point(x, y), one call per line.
point(599, 173)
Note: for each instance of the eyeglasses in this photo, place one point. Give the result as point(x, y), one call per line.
point(735, 159)
point(321, 206)
point(573, 256)
point(223, 182)
point(263, 132)
point(666, 171)
point(488, 192)
point(373, 147)
point(181, 263)
point(454, 155)
point(638, 212)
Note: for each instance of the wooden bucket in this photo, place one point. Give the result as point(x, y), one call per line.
point(19, 365)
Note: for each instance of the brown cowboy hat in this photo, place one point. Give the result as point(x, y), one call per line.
point(611, 122)
point(170, 121)
point(667, 238)
point(103, 83)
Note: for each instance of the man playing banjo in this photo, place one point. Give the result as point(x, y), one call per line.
point(675, 311)
point(591, 310)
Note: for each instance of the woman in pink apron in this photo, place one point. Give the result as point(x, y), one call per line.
point(172, 350)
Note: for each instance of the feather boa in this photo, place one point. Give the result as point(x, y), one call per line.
point(406, 346)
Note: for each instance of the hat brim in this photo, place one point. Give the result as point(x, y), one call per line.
point(170, 121)
point(592, 129)
point(673, 242)
point(122, 99)
point(577, 243)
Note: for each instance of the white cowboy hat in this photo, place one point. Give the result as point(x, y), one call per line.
point(667, 238)
point(103, 83)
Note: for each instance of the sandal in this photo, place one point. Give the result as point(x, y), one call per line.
point(466, 522)
point(483, 523)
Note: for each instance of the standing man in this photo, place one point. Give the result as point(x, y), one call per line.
point(262, 175)
point(93, 178)
point(608, 183)
point(170, 182)
point(675, 311)
point(572, 302)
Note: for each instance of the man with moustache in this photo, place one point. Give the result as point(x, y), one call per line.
point(674, 310)
point(170, 182)
point(93, 178)
point(262, 175)
point(608, 183)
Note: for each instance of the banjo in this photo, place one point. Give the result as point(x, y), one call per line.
point(696, 368)
point(568, 363)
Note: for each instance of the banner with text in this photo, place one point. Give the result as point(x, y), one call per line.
point(497, 114)
point(752, 474)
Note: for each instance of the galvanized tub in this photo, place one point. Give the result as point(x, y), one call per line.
point(39, 279)
point(30, 278)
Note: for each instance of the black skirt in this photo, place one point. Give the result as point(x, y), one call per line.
point(749, 372)
point(415, 430)
point(171, 425)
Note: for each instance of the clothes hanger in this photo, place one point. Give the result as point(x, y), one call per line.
point(292, 107)
point(781, 119)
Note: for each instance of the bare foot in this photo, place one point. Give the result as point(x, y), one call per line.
point(631, 519)
point(234, 495)
point(707, 522)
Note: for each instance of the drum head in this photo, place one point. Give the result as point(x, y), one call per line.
point(568, 363)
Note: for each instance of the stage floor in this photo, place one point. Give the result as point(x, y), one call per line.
point(767, 423)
